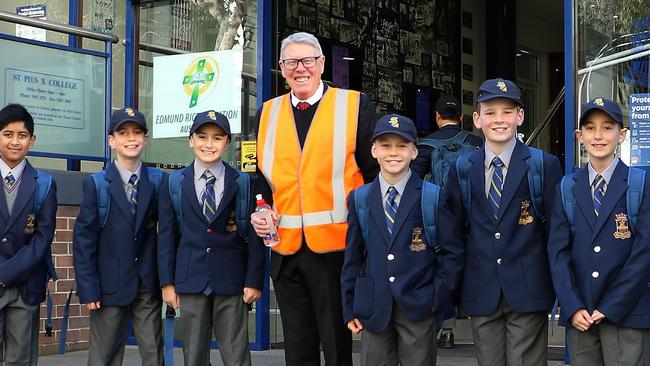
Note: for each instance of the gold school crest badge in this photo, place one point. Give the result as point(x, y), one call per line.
point(622, 227)
point(130, 112)
point(31, 222)
point(394, 122)
point(417, 244)
point(212, 115)
point(231, 227)
point(599, 102)
point(502, 86)
point(525, 217)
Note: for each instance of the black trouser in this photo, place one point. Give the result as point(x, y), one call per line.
point(308, 290)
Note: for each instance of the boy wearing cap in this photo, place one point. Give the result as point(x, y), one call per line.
point(600, 263)
point(27, 235)
point(115, 251)
point(205, 267)
point(506, 284)
point(390, 280)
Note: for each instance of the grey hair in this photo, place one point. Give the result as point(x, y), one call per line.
point(300, 37)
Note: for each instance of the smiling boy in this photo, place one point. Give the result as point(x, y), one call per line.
point(499, 235)
point(207, 267)
point(599, 257)
point(27, 235)
point(390, 278)
point(115, 250)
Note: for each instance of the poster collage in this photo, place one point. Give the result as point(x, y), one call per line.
point(402, 46)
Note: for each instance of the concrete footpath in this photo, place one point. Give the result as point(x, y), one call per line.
point(463, 355)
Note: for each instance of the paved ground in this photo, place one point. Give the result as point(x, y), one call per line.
point(461, 356)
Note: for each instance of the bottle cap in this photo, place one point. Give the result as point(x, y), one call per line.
point(258, 197)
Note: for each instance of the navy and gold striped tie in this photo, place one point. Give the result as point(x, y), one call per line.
point(209, 203)
point(133, 198)
point(390, 208)
point(496, 186)
point(10, 180)
point(598, 191)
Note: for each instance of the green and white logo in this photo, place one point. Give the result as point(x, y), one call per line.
point(200, 79)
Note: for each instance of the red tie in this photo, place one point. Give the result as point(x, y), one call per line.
point(302, 105)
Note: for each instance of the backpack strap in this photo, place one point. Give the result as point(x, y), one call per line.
point(242, 204)
point(155, 178)
point(536, 180)
point(170, 315)
point(360, 195)
point(43, 185)
point(635, 184)
point(462, 171)
point(175, 181)
point(103, 197)
point(568, 199)
point(429, 205)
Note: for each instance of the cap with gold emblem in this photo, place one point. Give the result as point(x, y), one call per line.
point(397, 124)
point(212, 117)
point(499, 88)
point(602, 104)
point(124, 115)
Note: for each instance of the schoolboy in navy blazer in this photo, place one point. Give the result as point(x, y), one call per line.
point(392, 283)
point(500, 264)
point(207, 253)
point(601, 272)
point(116, 263)
point(206, 268)
point(26, 238)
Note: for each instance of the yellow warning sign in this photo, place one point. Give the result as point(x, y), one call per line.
point(248, 156)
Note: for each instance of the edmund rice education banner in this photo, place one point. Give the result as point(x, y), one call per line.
point(184, 85)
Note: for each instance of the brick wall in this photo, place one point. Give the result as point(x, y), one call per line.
point(78, 331)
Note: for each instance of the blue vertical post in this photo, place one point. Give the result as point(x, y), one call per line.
point(570, 74)
point(73, 41)
point(264, 52)
point(108, 99)
point(570, 82)
point(130, 52)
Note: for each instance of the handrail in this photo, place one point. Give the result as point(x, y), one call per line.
point(161, 49)
point(549, 115)
point(63, 28)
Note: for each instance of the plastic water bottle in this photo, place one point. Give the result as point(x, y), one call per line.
point(264, 211)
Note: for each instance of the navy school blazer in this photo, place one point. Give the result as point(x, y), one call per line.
point(26, 238)
point(110, 263)
point(605, 266)
point(387, 269)
point(504, 256)
point(205, 252)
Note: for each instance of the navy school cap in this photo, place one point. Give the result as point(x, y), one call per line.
point(212, 117)
point(603, 104)
point(124, 115)
point(448, 104)
point(499, 88)
point(397, 124)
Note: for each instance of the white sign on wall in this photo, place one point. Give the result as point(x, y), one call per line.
point(38, 11)
point(184, 85)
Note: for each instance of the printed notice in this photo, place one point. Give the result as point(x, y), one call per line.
point(639, 129)
point(53, 100)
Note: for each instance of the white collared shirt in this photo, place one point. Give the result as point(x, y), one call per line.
point(606, 174)
point(125, 175)
point(505, 157)
point(17, 171)
point(218, 170)
point(311, 100)
point(399, 186)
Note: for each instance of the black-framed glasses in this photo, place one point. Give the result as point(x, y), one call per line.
point(307, 62)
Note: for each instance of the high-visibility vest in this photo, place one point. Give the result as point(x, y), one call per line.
point(311, 185)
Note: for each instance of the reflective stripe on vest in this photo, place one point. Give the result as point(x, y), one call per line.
point(310, 185)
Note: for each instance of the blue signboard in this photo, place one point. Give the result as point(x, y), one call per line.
point(639, 129)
